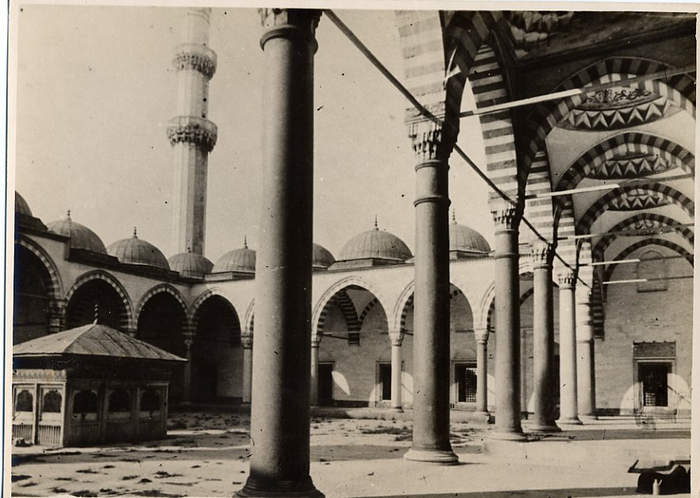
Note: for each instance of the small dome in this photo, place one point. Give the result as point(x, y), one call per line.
point(375, 244)
point(21, 206)
point(190, 264)
point(322, 257)
point(135, 251)
point(467, 240)
point(239, 260)
point(81, 237)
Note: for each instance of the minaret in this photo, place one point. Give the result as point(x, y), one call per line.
point(191, 134)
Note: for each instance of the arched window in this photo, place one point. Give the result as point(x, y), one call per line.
point(85, 402)
point(25, 401)
point(120, 401)
point(150, 401)
point(52, 402)
point(652, 268)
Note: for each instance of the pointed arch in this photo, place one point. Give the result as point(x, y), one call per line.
point(127, 320)
point(167, 288)
point(56, 287)
point(665, 192)
point(322, 303)
point(679, 89)
point(655, 241)
point(640, 221)
point(645, 151)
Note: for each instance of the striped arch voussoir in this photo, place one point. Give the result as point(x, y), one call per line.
point(158, 289)
point(682, 251)
point(197, 303)
point(128, 321)
point(654, 219)
point(625, 143)
point(56, 282)
point(667, 192)
point(680, 90)
point(346, 307)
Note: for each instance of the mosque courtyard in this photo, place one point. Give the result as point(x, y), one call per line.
point(207, 454)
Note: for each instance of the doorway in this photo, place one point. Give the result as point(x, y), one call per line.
point(653, 378)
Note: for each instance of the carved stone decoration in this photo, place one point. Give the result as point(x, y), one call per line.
point(304, 20)
point(541, 254)
point(428, 141)
point(198, 131)
point(196, 57)
point(644, 226)
point(529, 28)
point(505, 214)
point(635, 199)
point(631, 166)
point(481, 335)
point(617, 97)
point(601, 117)
point(566, 278)
point(247, 341)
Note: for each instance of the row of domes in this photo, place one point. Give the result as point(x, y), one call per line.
point(373, 244)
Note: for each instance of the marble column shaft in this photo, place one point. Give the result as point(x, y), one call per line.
point(585, 349)
point(543, 337)
point(315, 344)
point(247, 343)
point(482, 339)
point(568, 405)
point(507, 304)
point(280, 418)
point(431, 315)
point(396, 371)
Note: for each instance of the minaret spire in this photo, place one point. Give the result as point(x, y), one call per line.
point(190, 133)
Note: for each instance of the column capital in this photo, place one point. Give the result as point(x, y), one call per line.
point(505, 214)
point(301, 23)
point(316, 341)
point(429, 141)
point(481, 334)
point(189, 341)
point(396, 338)
point(541, 254)
point(566, 278)
point(247, 341)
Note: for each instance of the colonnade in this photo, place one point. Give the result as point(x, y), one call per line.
point(285, 358)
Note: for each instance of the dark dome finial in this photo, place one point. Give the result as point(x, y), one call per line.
point(376, 226)
point(135, 234)
point(68, 214)
point(454, 216)
point(245, 241)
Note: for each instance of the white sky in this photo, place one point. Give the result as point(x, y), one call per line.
point(95, 89)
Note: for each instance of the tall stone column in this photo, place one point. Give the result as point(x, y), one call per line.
point(187, 375)
point(247, 343)
point(482, 411)
point(431, 312)
point(543, 338)
point(315, 344)
point(585, 349)
point(507, 302)
point(280, 418)
point(190, 133)
point(568, 405)
point(396, 371)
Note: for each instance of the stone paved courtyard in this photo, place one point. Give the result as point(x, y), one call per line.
point(206, 454)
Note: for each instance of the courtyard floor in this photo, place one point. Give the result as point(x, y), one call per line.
point(207, 454)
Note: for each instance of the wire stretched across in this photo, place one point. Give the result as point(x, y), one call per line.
point(427, 114)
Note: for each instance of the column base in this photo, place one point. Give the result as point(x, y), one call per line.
point(440, 457)
point(545, 427)
point(480, 418)
point(508, 435)
point(587, 418)
point(251, 490)
point(569, 421)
